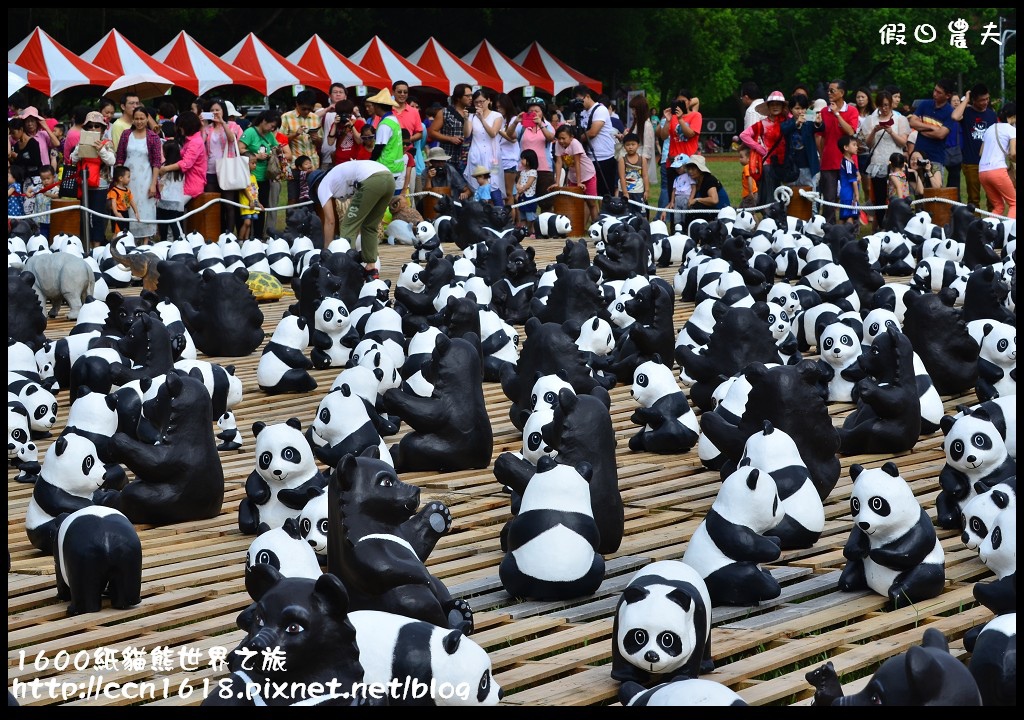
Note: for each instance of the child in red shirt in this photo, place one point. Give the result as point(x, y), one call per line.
point(120, 198)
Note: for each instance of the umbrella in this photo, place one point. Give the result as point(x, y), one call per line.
point(146, 86)
point(17, 78)
point(52, 67)
point(194, 61)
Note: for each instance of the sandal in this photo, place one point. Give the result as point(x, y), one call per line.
point(372, 273)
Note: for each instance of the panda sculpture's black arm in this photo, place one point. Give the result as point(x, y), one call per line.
point(999, 596)
point(296, 498)
point(858, 545)
point(494, 342)
point(257, 489)
point(418, 412)
point(54, 501)
point(382, 564)
point(988, 375)
point(648, 416)
point(513, 471)
point(909, 550)
point(887, 401)
point(954, 483)
point(741, 542)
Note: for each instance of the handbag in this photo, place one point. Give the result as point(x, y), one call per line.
point(954, 156)
point(785, 172)
point(233, 172)
point(757, 162)
point(274, 171)
point(68, 181)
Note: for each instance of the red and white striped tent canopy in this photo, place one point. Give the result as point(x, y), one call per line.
point(114, 52)
point(319, 57)
point(186, 55)
point(381, 59)
point(562, 77)
point(436, 58)
point(273, 69)
point(52, 67)
point(489, 59)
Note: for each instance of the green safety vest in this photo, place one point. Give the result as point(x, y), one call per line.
point(391, 156)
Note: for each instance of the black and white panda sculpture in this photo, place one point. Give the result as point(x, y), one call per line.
point(285, 550)
point(662, 627)
point(976, 459)
point(224, 386)
point(839, 346)
point(230, 436)
point(313, 525)
point(333, 336)
point(441, 667)
point(668, 425)
point(22, 453)
point(893, 548)
point(774, 452)
point(731, 542)
point(553, 225)
point(97, 553)
point(993, 661)
point(997, 361)
point(552, 542)
point(344, 425)
point(693, 692)
point(37, 400)
point(998, 551)
point(285, 477)
point(72, 471)
point(979, 515)
point(283, 366)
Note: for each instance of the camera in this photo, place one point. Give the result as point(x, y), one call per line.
point(574, 106)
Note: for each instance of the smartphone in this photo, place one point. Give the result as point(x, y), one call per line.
point(207, 116)
point(886, 123)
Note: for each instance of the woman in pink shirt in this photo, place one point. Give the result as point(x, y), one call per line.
point(221, 135)
point(536, 133)
point(193, 154)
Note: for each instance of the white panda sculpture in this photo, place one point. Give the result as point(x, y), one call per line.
point(693, 692)
point(552, 542)
point(1003, 414)
point(314, 525)
point(333, 336)
point(893, 548)
point(997, 361)
point(833, 283)
point(435, 666)
point(170, 315)
point(730, 543)
point(280, 259)
point(384, 327)
point(285, 477)
point(72, 472)
point(993, 661)
point(932, 274)
point(839, 347)
point(773, 451)
point(998, 551)
point(230, 436)
point(224, 386)
point(40, 403)
point(781, 325)
point(343, 425)
point(553, 225)
point(662, 626)
point(284, 549)
point(699, 326)
point(668, 425)
point(978, 517)
point(22, 453)
point(976, 460)
point(283, 366)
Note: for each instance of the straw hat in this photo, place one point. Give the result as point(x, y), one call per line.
point(698, 162)
point(481, 170)
point(31, 111)
point(230, 111)
point(383, 98)
point(776, 96)
point(436, 153)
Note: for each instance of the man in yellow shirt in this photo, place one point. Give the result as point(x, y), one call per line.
point(129, 101)
point(302, 127)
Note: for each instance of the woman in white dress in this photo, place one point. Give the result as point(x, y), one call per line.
point(141, 151)
point(483, 127)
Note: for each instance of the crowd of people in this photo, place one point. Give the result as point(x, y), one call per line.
point(479, 144)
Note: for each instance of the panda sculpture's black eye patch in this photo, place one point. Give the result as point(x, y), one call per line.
point(981, 441)
point(41, 412)
point(534, 441)
point(978, 527)
point(18, 435)
point(325, 416)
point(855, 506)
point(87, 464)
point(642, 380)
point(291, 455)
point(956, 449)
point(635, 641)
point(550, 397)
point(997, 538)
point(305, 526)
point(328, 315)
point(670, 643)
point(322, 526)
point(265, 460)
point(268, 557)
point(879, 505)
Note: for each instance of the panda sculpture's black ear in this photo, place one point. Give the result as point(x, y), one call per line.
point(451, 641)
point(567, 400)
point(260, 578)
point(890, 469)
point(293, 423)
point(1000, 499)
point(634, 594)
point(330, 595)
point(257, 427)
point(173, 384)
point(372, 451)
point(752, 479)
point(681, 599)
point(61, 445)
point(291, 528)
point(946, 423)
point(855, 470)
point(767, 427)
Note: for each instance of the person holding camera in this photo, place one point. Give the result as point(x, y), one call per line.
point(302, 127)
point(599, 135)
point(884, 133)
point(681, 127)
point(259, 141)
point(483, 127)
point(342, 128)
point(442, 174)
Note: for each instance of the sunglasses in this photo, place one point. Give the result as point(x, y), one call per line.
point(94, 127)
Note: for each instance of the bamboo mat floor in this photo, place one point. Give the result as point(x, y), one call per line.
point(543, 653)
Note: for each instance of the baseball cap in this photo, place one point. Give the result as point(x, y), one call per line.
point(680, 160)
